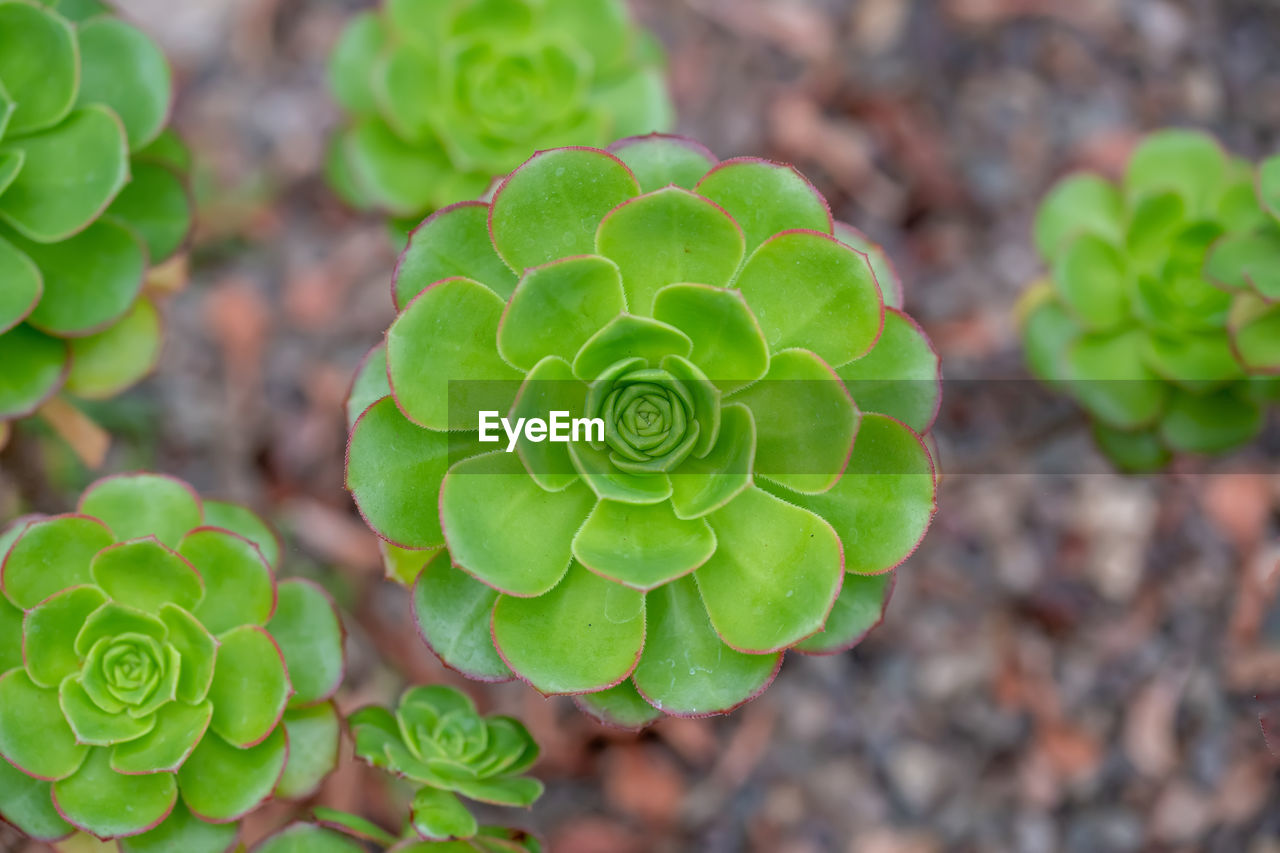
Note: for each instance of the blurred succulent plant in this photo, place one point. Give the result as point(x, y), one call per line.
point(444, 95)
point(722, 328)
point(91, 193)
point(157, 682)
point(437, 740)
point(1159, 313)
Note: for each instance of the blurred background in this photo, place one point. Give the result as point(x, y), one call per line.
point(1069, 663)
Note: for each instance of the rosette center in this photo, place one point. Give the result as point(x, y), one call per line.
point(650, 422)
point(128, 667)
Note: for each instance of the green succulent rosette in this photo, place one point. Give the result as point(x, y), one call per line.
point(444, 95)
point(1159, 313)
point(437, 740)
point(157, 682)
point(761, 470)
point(92, 193)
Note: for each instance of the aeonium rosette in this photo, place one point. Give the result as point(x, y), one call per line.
point(756, 468)
point(93, 200)
point(1160, 312)
point(158, 683)
point(444, 95)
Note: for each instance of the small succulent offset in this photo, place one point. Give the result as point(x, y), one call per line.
point(761, 470)
point(444, 95)
point(91, 193)
point(158, 683)
point(1160, 314)
point(436, 739)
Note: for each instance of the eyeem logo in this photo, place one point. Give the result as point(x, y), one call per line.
point(560, 428)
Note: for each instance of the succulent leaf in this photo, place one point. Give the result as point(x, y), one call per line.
point(221, 782)
point(40, 364)
point(23, 284)
point(37, 203)
point(504, 528)
point(313, 734)
point(250, 686)
point(155, 203)
point(666, 236)
point(48, 634)
point(658, 548)
point(181, 831)
point(238, 584)
point(422, 364)
point(453, 611)
point(686, 668)
point(39, 68)
point(621, 707)
point(765, 199)
point(583, 635)
point(552, 206)
point(106, 363)
point(51, 555)
point(860, 607)
point(34, 735)
point(101, 801)
point(402, 509)
point(889, 482)
point(26, 803)
point(757, 601)
point(439, 816)
point(178, 728)
point(658, 161)
point(453, 242)
point(146, 575)
point(308, 838)
point(809, 290)
point(124, 69)
point(145, 505)
point(90, 279)
point(1190, 163)
point(557, 307)
point(900, 377)
point(306, 627)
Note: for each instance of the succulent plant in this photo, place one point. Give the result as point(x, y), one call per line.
point(444, 95)
point(1159, 312)
point(438, 741)
point(158, 683)
point(91, 193)
point(761, 470)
